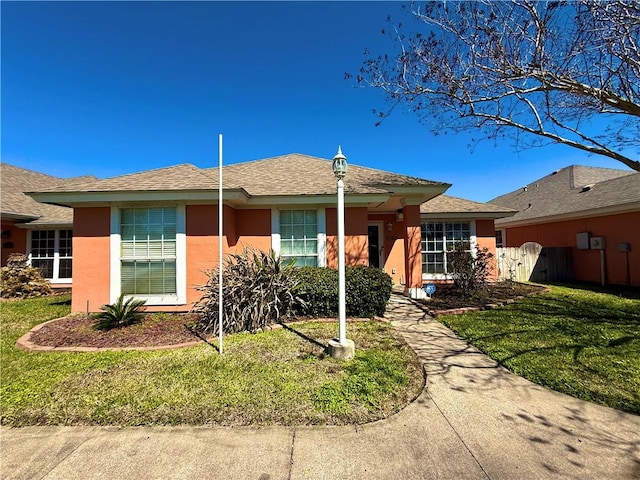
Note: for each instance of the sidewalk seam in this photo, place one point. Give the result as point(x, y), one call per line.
point(293, 442)
point(458, 435)
point(45, 475)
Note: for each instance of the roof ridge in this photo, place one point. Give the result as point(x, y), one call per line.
point(31, 171)
point(186, 164)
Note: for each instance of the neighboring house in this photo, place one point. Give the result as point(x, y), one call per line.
point(575, 207)
point(41, 231)
point(153, 234)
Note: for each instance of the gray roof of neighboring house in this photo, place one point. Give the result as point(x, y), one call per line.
point(292, 174)
point(572, 191)
point(17, 206)
point(446, 204)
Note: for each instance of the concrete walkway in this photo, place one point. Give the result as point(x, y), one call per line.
point(475, 420)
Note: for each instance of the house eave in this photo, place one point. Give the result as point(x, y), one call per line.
point(592, 212)
point(467, 215)
point(95, 199)
point(17, 217)
point(47, 225)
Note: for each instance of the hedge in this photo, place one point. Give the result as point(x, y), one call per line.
point(368, 290)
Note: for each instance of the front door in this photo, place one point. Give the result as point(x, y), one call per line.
point(375, 247)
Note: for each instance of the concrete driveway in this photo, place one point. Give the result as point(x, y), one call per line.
point(474, 420)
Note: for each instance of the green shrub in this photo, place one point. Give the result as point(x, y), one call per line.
point(20, 280)
point(368, 290)
point(120, 314)
point(258, 289)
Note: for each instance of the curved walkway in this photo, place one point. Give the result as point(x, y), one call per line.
point(475, 420)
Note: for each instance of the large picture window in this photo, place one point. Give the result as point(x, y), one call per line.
point(299, 237)
point(438, 238)
point(148, 251)
point(51, 253)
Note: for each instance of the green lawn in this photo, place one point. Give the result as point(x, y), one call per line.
point(575, 340)
point(277, 377)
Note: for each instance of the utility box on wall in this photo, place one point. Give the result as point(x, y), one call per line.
point(582, 240)
point(624, 247)
point(596, 243)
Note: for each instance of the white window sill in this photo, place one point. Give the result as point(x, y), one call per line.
point(157, 300)
point(436, 276)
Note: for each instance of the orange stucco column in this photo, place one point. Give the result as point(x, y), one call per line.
point(486, 238)
point(91, 258)
point(413, 255)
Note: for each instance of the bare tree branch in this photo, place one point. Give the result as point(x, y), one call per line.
point(546, 69)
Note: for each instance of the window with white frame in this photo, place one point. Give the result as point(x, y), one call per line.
point(299, 237)
point(438, 238)
point(499, 238)
point(148, 251)
point(50, 252)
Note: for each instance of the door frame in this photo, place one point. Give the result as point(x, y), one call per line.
point(381, 252)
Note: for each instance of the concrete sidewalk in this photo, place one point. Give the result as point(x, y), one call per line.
point(474, 420)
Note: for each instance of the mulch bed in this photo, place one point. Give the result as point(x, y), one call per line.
point(173, 329)
point(80, 331)
point(447, 298)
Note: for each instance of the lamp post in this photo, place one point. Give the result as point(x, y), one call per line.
point(341, 347)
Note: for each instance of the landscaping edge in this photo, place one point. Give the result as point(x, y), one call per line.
point(490, 306)
point(25, 343)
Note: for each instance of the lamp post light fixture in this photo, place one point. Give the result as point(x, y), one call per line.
point(341, 347)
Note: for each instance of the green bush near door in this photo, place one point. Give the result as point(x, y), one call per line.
point(368, 290)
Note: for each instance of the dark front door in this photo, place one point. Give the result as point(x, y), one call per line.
point(374, 246)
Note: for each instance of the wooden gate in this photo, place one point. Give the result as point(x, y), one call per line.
point(533, 262)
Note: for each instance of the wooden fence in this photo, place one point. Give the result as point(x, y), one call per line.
point(533, 262)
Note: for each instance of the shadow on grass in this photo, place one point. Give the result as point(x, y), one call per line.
point(305, 337)
point(623, 291)
point(592, 338)
point(66, 303)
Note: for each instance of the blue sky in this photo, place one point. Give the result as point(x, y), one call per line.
point(93, 88)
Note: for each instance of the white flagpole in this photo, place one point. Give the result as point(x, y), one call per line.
point(220, 310)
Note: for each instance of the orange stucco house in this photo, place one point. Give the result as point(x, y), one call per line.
point(41, 231)
point(152, 234)
point(593, 211)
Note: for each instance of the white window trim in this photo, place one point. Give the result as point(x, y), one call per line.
point(56, 255)
point(472, 243)
point(321, 236)
point(180, 298)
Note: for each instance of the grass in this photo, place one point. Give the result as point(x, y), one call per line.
point(580, 341)
point(277, 377)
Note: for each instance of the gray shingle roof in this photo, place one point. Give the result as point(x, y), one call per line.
point(178, 177)
point(571, 191)
point(15, 204)
point(292, 174)
point(446, 204)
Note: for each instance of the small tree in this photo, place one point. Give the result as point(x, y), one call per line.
point(258, 290)
point(19, 279)
point(470, 273)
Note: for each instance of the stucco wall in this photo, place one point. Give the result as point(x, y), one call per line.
point(356, 238)
point(202, 244)
point(15, 236)
point(621, 228)
point(485, 237)
point(253, 228)
point(91, 265)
